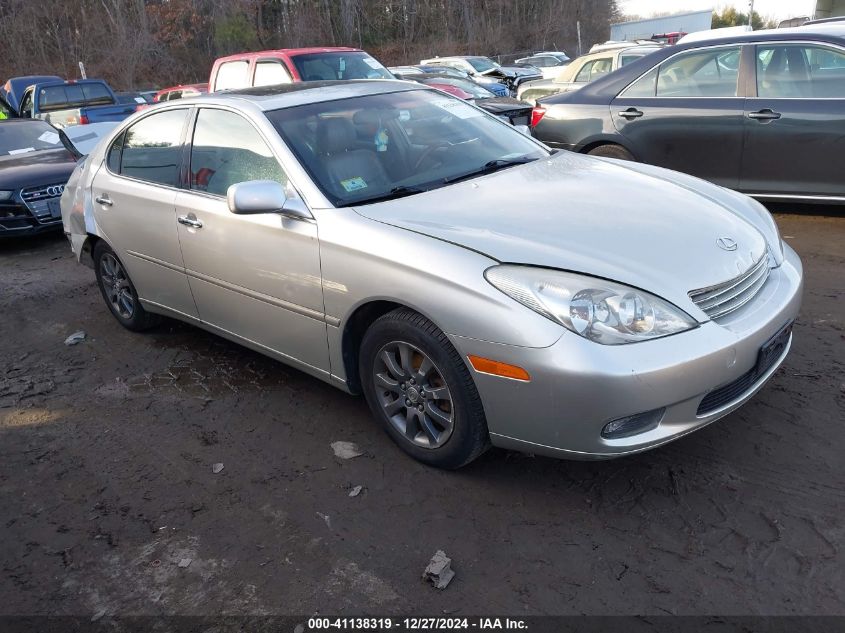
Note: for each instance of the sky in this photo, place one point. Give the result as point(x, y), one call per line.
point(778, 9)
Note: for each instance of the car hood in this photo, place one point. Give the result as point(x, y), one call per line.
point(502, 104)
point(594, 216)
point(520, 71)
point(44, 167)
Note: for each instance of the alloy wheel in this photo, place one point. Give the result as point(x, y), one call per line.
point(116, 286)
point(414, 394)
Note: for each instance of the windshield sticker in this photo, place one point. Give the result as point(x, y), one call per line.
point(49, 137)
point(140, 100)
point(372, 63)
point(353, 184)
point(24, 150)
point(457, 108)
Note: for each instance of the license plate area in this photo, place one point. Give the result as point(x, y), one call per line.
point(55, 208)
point(773, 349)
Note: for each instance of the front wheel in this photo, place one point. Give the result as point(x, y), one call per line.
point(119, 291)
point(421, 391)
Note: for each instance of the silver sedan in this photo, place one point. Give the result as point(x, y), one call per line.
point(475, 287)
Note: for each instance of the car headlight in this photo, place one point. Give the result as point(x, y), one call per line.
point(602, 311)
point(6, 195)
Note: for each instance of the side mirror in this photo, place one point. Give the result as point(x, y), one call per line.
point(263, 196)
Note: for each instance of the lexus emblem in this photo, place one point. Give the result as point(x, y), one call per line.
point(726, 244)
point(55, 190)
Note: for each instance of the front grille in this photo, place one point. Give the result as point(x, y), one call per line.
point(38, 200)
point(722, 299)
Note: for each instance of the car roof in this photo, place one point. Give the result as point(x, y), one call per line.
point(300, 93)
point(290, 52)
point(820, 31)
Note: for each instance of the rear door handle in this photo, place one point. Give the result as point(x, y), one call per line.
point(764, 115)
point(104, 200)
point(631, 113)
point(192, 222)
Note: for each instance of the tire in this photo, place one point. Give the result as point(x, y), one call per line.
point(430, 374)
point(119, 292)
point(612, 151)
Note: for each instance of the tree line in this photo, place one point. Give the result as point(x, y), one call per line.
point(145, 43)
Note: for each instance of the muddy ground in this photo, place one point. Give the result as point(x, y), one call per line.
point(106, 481)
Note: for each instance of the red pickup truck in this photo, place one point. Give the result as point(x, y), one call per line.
point(289, 65)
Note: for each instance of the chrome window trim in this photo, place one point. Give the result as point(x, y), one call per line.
point(740, 45)
point(754, 44)
point(796, 196)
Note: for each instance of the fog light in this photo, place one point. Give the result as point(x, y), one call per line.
point(633, 424)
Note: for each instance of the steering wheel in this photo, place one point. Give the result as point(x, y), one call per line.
point(427, 152)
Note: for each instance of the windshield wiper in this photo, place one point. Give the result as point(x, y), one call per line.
point(490, 166)
point(396, 192)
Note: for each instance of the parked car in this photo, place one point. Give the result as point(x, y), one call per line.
point(64, 103)
point(582, 71)
point(12, 89)
point(508, 109)
point(134, 98)
point(180, 92)
point(485, 71)
point(549, 64)
point(473, 286)
point(494, 86)
point(34, 167)
point(760, 112)
point(267, 68)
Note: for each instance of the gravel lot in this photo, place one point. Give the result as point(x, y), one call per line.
point(106, 481)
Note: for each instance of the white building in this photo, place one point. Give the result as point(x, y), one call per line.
point(678, 23)
point(829, 8)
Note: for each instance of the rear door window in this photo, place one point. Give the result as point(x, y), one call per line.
point(152, 148)
point(232, 75)
point(800, 71)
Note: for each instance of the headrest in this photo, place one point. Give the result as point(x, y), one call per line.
point(334, 135)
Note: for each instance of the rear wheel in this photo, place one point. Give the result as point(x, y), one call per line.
point(612, 151)
point(119, 292)
point(420, 390)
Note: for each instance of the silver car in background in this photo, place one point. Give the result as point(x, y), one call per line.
point(477, 289)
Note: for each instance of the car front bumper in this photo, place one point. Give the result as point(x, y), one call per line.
point(578, 386)
point(21, 227)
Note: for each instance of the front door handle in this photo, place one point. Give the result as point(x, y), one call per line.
point(766, 114)
point(188, 221)
point(104, 200)
point(631, 113)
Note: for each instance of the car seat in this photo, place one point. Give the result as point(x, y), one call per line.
point(343, 161)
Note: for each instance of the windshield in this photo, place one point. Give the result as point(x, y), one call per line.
point(339, 66)
point(470, 87)
point(374, 147)
point(28, 136)
point(482, 64)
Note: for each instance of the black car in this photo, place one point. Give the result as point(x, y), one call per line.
point(762, 112)
point(35, 164)
point(508, 109)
